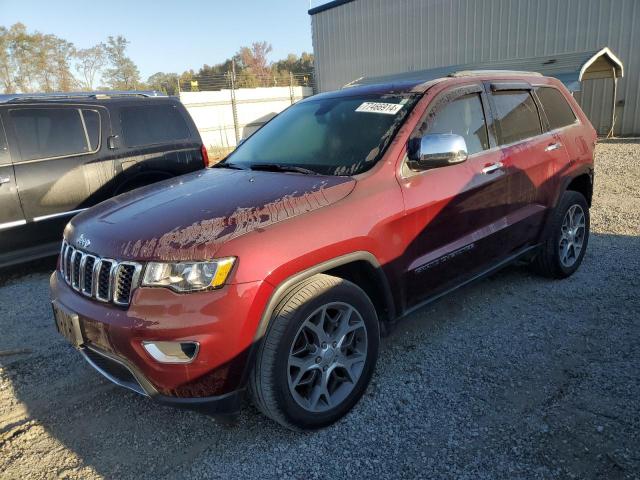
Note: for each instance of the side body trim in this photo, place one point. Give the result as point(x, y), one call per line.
point(17, 223)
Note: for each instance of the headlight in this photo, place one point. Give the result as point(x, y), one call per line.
point(188, 276)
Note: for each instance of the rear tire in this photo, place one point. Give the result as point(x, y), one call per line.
point(566, 239)
point(318, 354)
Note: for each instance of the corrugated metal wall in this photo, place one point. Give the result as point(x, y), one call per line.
point(375, 37)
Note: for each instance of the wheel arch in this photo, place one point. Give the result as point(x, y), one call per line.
point(583, 184)
point(361, 267)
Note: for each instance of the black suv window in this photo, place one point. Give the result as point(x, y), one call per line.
point(49, 132)
point(92, 124)
point(464, 116)
point(516, 116)
point(151, 124)
point(558, 111)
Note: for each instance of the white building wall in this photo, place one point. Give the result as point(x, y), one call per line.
point(212, 112)
point(376, 37)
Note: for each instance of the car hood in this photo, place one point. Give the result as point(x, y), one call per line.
point(189, 217)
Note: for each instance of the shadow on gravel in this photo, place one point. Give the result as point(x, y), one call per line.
point(15, 272)
point(512, 374)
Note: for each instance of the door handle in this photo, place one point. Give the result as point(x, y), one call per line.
point(492, 168)
point(4, 180)
point(552, 146)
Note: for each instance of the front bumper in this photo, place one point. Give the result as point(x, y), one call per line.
point(123, 373)
point(223, 322)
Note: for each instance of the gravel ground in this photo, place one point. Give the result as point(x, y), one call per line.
point(513, 377)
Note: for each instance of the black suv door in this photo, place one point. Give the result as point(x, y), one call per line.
point(56, 161)
point(11, 217)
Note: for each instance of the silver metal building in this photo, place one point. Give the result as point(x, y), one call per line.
point(361, 38)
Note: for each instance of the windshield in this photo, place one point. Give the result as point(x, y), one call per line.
point(332, 136)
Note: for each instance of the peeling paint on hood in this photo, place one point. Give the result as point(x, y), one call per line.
point(190, 217)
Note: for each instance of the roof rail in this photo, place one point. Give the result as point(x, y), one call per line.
point(471, 73)
point(15, 97)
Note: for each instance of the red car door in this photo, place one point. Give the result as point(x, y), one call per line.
point(530, 159)
point(454, 214)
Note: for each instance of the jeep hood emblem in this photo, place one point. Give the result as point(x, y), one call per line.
point(82, 241)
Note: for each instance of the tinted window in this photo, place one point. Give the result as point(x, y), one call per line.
point(558, 111)
point(464, 116)
point(332, 136)
point(92, 123)
point(516, 116)
point(151, 124)
point(49, 132)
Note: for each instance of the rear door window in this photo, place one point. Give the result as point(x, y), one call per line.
point(516, 116)
point(49, 132)
point(92, 124)
point(464, 116)
point(152, 124)
point(559, 113)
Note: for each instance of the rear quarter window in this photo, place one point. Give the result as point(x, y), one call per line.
point(516, 116)
point(152, 124)
point(558, 111)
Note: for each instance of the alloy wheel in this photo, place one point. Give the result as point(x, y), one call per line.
point(327, 357)
point(572, 235)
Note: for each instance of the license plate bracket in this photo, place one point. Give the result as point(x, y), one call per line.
point(68, 324)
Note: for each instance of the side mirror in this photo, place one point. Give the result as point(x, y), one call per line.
point(113, 142)
point(436, 150)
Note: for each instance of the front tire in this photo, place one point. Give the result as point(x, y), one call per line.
point(318, 355)
point(566, 240)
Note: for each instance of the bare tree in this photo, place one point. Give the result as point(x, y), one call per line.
point(90, 62)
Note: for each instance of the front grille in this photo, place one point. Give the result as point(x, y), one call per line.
point(104, 279)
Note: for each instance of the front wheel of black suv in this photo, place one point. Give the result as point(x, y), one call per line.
point(566, 239)
point(318, 355)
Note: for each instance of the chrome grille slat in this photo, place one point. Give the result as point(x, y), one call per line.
point(104, 279)
point(88, 267)
point(76, 262)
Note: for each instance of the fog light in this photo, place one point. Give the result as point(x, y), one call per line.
point(172, 352)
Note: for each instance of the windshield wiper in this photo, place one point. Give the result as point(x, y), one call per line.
point(279, 167)
point(224, 164)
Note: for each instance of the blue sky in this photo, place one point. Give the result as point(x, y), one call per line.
point(171, 36)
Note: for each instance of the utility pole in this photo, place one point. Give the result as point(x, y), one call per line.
point(234, 107)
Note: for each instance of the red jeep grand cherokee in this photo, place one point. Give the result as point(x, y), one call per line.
point(275, 272)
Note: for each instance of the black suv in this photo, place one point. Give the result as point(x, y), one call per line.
point(60, 154)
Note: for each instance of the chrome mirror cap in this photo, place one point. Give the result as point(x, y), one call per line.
point(436, 150)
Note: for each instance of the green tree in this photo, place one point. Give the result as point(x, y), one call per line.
point(123, 74)
point(166, 83)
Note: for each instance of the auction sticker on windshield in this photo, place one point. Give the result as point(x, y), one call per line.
point(379, 107)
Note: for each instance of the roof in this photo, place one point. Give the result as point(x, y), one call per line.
point(97, 95)
point(328, 6)
point(569, 68)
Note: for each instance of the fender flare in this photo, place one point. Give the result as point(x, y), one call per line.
point(285, 287)
point(566, 181)
point(587, 170)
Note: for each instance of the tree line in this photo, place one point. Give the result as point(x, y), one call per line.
point(40, 62)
